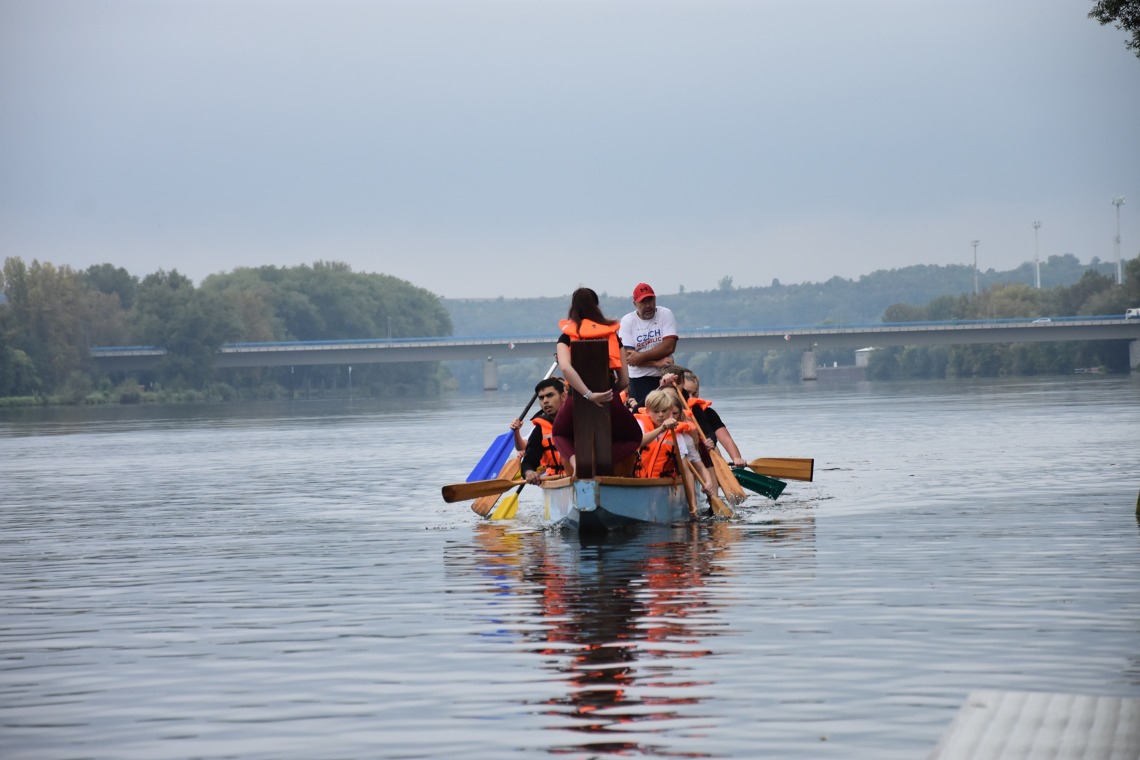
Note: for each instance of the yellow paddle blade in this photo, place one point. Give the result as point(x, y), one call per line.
point(507, 508)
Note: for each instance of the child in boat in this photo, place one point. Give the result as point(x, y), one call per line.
point(666, 441)
point(672, 379)
point(713, 428)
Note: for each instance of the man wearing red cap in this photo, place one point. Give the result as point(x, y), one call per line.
point(649, 335)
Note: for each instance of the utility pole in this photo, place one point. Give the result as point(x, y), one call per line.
point(1118, 202)
point(1036, 253)
point(975, 244)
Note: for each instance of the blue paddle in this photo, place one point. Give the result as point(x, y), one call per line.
point(502, 446)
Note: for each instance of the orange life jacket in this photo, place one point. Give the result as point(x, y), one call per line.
point(698, 403)
point(591, 329)
point(658, 458)
point(550, 458)
point(643, 414)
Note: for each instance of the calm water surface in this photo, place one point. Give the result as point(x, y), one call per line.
point(284, 581)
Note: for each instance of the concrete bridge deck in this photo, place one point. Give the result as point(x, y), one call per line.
point(379, 351)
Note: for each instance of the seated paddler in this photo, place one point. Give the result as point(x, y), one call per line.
point(540, 457)
point(666, 440)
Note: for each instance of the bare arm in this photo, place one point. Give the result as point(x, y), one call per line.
point(662, 350)
point(707, 481)
point(574, 380)
point(730, 446)
point(623, 374)
point(649, 435)
point(520, 444)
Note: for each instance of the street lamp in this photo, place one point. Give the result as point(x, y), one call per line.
point(975, 244)
point(1036, 257)
point(1118, 202)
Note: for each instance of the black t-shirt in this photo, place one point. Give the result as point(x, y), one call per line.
point(709, 421)
point(532, 456)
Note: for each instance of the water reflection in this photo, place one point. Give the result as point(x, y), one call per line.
point(618, 623)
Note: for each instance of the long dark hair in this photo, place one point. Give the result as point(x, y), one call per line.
point(584, 305)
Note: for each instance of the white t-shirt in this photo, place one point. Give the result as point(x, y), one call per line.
point(642, 335)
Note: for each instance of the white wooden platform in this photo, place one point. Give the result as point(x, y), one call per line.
point(1018, 725)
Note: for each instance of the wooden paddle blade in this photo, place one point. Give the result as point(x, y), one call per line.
point(484, 504)
point(761, 484)
point(733, 491)
point(720, 509)
point(784, 467)
point(464, 491)
point(687, 478)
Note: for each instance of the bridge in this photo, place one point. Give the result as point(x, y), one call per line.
point(497, 348)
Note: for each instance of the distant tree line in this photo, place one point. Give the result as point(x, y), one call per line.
point(916, 293)
point(51, 316)
point(1095, 294)
point(836, 301)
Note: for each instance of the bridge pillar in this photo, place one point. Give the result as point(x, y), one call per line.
point(807, 365)
point(1134, 355)
point(490, 375)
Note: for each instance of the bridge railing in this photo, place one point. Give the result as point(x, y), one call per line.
point(543, 338)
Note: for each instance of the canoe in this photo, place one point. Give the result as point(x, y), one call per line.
point(608, 503)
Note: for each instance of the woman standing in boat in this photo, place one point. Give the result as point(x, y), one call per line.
point(585, 320)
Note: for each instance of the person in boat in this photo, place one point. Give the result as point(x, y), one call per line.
point(649, 335)
point(712, 426)
point(666, 442)
point(540, 457)
point(585, 320)
point(672, 379)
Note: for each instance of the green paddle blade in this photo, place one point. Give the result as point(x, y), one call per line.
point(761, 484)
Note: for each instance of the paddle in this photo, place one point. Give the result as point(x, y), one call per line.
point(732, 490)
point(686, 477)
point(782, 467)
point(724, 475)
point(484, 504)
point(761, 484)
point(502, 446)
point(509, 506)
point(473, 490)
point(719, 508)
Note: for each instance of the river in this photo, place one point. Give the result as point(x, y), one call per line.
point(284, 581)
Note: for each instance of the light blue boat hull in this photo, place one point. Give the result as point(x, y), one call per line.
point(611, 503)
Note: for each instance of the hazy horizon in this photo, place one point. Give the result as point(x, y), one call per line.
point(483, 149)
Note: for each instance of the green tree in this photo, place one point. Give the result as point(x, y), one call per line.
point(1124, 15)
point(44, 319)
point(17, 372)
point(904, 312)
point(328, 301)
point(112, 280)
point(190, 324)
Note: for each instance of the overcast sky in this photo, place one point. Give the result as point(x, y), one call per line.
point(513, 148)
